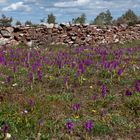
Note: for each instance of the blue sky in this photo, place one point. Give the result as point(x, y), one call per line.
point(64, 10)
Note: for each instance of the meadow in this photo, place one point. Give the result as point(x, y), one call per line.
point(66, 93)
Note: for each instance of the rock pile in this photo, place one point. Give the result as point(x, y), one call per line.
point(73, 35)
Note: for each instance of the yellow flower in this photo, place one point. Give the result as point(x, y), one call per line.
point(51, 77)
point(93, 110)
point(76, 117)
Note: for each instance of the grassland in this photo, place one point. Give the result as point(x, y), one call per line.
point(62, 93)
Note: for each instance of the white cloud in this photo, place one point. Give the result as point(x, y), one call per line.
point(71, 3)
point(2, 1)
point(30, 0)
point(17, 6)
point(99, 4)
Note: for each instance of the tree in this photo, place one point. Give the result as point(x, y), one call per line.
point(139, 20)
point(104, 18)
point(51, 18)
point(5, 21)
point(129, 17)
point(18, 23)
point(79, 20)
point(28, 23)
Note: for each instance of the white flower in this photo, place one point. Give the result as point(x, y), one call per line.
point(91, 87)
point(25, 111)
point(15, 84)
point(8, 136)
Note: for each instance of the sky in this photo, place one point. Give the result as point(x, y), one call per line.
point(64, 10)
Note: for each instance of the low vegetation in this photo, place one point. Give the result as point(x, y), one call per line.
point(70, 93)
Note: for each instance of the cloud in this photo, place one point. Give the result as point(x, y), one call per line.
point(65, 10)
point(2, 1)
point(18, 6)
point(71, 3)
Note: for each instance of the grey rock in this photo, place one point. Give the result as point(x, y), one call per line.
point(5, 33)
point(3, 41)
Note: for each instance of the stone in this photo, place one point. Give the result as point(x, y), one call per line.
point(5, 33)
point(70, 42)
point(73, 38)
point(74, 35)
point(10, 29)
point(3, 41)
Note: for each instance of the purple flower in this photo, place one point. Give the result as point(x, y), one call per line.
point(5, 128)
point(103, 90)
point(94, 97)
point(103, 112)
point(9, 79)
point(128, 92)
point(120, 71)
point(39, 74)
point(31, 76)
point(87, 62)
point(14, 69)
point(30, 102)
point(69, 125)
point(81, 67)
point(88, 125)
point(33, 67)
point(65, 80)
point(76, 107)
point(78, 73)
point(137, 86)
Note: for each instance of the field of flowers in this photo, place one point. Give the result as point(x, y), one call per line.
point(62, 93)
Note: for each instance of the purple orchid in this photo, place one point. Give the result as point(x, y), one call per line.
point(128, 92)
point(76, 107)
point(88, 125)
point(69, 125)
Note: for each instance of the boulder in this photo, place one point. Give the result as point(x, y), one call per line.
point(5, 33)
point(3, 41)
point(10, 29)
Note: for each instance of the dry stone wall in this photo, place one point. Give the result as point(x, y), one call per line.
point(73, 35)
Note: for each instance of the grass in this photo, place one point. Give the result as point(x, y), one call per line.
point(40, 86)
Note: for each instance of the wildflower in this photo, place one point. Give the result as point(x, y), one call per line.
point(81, 67)
point(128, 92)
point(120, 71)
point(31, 76)
point(93, 110)
point(65, 80)
point(137, 86)
point(94, 97)
point(39, 74)
point(24, 112)
point(69, 125)
point(76, 107)
point(5, 128)
point(104, 90)
point(103, 112)
point(88, 125)
point(76, 117)
point(33, 67)
point(30, 102)
point(15, 84)
point(91, 87)
point(8, 136)
point(51, 77)
point(9, 79)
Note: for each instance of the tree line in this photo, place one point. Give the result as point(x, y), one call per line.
point(103, 18)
